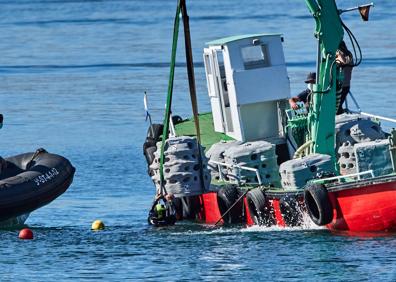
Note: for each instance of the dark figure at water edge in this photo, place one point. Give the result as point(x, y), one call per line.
point(162, 212)
point(344, 60)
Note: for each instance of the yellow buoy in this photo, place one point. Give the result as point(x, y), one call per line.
point(97, 225)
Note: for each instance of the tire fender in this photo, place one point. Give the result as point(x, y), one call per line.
point(154, 131)
point(318, 204)
point(258, 208)
point(226, 197)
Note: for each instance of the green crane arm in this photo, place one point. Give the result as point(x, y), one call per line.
point(321, 118)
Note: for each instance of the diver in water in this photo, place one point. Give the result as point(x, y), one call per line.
point(162, 212)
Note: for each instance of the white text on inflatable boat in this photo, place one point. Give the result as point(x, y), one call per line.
point(41, 179)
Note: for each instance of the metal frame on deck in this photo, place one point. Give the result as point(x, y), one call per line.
point(219, 164)
point(358, 174)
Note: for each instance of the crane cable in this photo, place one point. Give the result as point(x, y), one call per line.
point(353, 40)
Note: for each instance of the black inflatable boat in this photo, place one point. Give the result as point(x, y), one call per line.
point(30, 181)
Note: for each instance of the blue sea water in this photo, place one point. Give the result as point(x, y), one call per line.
point(72, 78)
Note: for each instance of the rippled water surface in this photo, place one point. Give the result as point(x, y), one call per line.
point(72, 77)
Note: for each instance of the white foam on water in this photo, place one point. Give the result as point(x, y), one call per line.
point(306, 224)
point(209, 231)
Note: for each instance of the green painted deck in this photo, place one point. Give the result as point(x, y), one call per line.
point(208, 135)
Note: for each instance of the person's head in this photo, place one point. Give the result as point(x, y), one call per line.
point(311, 80)
point(342, 47)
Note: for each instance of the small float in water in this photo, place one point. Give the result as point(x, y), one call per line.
point(29, 181)
point(253, 159)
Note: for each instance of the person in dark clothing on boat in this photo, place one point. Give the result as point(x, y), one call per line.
point(344, 60)
point(304, 96)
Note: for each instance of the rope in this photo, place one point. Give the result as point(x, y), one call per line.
point(181, 11)
point(233, 205)
point(35, 155)
point(191, 83)
point(190, 67)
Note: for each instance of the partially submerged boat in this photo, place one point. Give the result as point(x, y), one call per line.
point(254, 160)
point(29, 181)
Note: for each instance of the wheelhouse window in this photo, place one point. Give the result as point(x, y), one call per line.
point(255, 56)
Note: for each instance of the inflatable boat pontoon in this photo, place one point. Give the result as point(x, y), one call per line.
point(30, 181)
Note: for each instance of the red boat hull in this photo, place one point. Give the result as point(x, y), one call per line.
point(210, 211)
point(365, 208)
point(362, 206)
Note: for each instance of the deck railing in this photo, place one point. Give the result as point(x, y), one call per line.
point(358, 174)
point(220, 164)
point(359, 111)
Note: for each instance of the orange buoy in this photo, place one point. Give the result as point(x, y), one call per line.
point(26, 234)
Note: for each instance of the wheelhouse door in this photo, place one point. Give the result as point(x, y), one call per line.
point(217, 88)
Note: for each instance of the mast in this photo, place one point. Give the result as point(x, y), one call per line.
point(321, 118)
